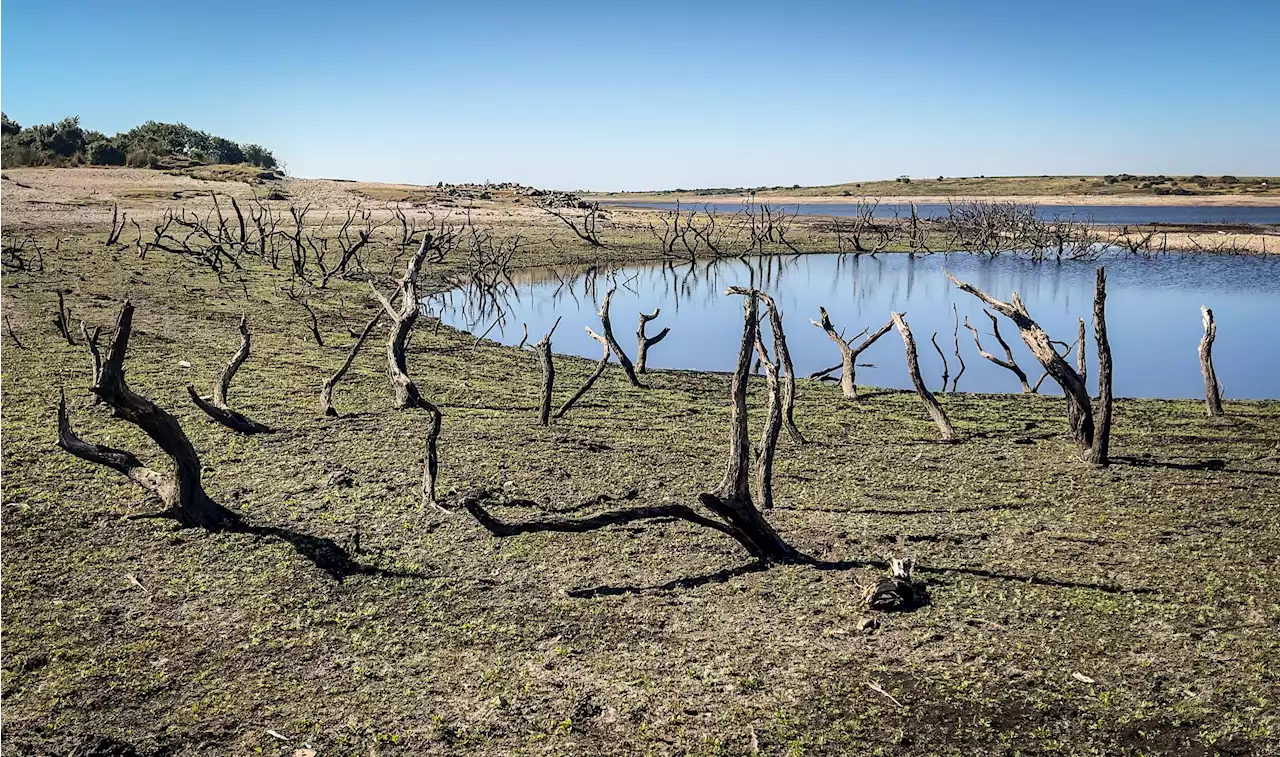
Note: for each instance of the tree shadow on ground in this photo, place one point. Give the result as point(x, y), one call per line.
point(326, 554)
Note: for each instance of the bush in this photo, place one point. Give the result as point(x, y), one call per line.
point(142, 158)
point(105, 153)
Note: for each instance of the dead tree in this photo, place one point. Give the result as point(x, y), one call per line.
point(543, 348)
point(732, 511)
point(181, 492)
point(216, 407)
point(588, 231)
point(926, 398)
point(118, 221)
point(955, 343)
point(1092, 440)
point(1081, 363)
point(403, 317)
point(8, 327)
point(91, 341)
point(62, 319)
point(946, 367)
point(787, 370)
point(1009, 363)
point(848, 353)
point(606, 328)
point(326, 391)
point(643, 343)
point(1212, 390)
point(311, 314)
point(591, 380)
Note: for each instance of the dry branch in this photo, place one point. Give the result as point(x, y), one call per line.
point(217, 408)
point(606, 328)
point(543, 348)
point(596, 374)
point(643, 343)
point(930, 403)
point(1008, 363)
point(326, 391)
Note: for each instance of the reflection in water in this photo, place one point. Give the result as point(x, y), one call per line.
point(1152, 313)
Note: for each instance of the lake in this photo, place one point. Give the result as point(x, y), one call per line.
point(1100, 214)
point(1153, 314)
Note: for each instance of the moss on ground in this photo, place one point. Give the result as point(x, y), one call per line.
point(1154, 579)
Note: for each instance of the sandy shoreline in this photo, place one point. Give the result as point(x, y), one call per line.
point(1265, 201)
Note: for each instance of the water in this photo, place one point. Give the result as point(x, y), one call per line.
point(1099, 214)
point(1153, 314)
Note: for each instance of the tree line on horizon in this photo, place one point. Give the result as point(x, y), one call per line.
point(67, 143)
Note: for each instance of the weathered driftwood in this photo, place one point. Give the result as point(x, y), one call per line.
point(181, 492)
point(1008, 363)
point(1092, 441)
point(543, 348)
point(91, 341)
point(731, 503)
point(606, 329)
point(848, 354)
point(407, 396)
point(1212, 390)
point(326, 391)
point(216, 407)
point(591, 380)
point(643, 343)
point(896, 592)
point(930, 402)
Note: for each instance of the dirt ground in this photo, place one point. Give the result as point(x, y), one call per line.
point(1126, 610)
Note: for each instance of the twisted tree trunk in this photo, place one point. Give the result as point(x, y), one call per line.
point(606, 328)
point(181, 492)
point(543, 348)
point(1212, 391)
point(848, 354)
point(407, 396)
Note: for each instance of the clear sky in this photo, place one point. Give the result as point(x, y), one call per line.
point(644, 95)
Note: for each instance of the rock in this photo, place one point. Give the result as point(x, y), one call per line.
point(183, 364)
point(866, 625)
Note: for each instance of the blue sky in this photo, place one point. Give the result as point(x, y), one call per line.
point(612, 95)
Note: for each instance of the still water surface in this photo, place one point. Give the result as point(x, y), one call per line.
point(1100, 214)
point(1153, 314)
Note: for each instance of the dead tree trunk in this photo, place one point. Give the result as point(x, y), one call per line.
point(181, 492)
point(1092, 443)
point(955, 346)
point(326, 391)
point(62, 319)
point(643, 343)
point(787, 370)
point(736, 515)
point(403, 317)
point(1082, 366)
point(543, 348)
point(1009, 363)
point(311, 314)
point(926, 398)
point(1212, 391)
point(772, 428)
point(217, 407)
point(606, 327)
point(91, 341)
point(848, 354)
point(1099, 451)
point(591, 380)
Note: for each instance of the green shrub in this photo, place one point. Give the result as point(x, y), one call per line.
point(105, 153)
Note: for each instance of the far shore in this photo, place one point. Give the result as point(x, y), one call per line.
point(1218, 200)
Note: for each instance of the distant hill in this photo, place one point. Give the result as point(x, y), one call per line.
point(999, 186)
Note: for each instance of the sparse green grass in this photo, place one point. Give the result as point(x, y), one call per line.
point(1157, 582)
